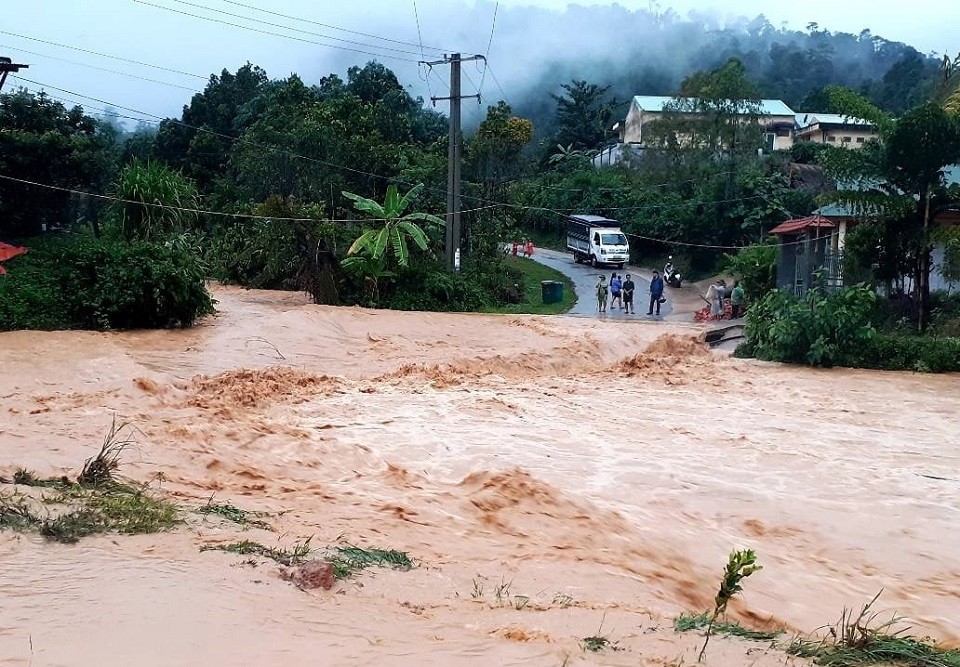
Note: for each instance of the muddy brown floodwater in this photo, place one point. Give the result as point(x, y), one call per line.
point(596, 473)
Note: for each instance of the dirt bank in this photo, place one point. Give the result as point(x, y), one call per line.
point(546, 474)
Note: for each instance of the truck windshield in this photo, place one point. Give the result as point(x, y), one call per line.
point(613, 239)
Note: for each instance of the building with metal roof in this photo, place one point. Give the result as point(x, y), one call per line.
point(774, 116)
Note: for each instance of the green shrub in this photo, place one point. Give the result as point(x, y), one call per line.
point(926, 354)
point(80, 282)
point(756, 267)
point(431, 288)
point(819, 329)
point(261, 254)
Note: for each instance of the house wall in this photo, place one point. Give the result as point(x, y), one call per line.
point(848, 137)
point(633, 126)
point(780, 126)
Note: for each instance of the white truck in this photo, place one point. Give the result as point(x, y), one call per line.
point(597, 240)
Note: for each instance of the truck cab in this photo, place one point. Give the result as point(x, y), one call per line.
point(597, 240)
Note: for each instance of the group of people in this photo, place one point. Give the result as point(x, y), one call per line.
point(717, 293)
point(620, 292)
point(515, 248)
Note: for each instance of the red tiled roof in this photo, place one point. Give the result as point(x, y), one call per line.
point(802, 224)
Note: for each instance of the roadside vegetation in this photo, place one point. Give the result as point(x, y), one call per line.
point(529, 276)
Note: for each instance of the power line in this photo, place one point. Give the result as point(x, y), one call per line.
point(286, 27)
point(275, 149)
point(334, 27)
point(101, 69)
point(197, 211)
point(249, 216)
point(274, 34)
point(493, 75)
point(426, 78)
point(103, 55)
point(493, 26)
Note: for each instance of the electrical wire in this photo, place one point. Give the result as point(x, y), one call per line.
point(198, 211)
point(493, 26)
point(286, 27)
point(103, 55)
point(274, 34)
point(488, 203)
point(334, 27)
point(101, 69)
point(426, 77)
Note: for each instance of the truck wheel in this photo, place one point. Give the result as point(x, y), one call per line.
point(576, 258)
point(593, 261)
point(620, 265)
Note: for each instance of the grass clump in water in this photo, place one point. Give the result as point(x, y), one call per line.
point(346, 560)
point(96, 503)
point(599, 642)
point(15, 513)
point(98, 470)
point(688, 622)
point(29, 478)
point(863, 639)
point(293, 556)
point(232, 513)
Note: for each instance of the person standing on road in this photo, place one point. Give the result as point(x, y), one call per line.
point(616, 285)
point(602, 295)
point(628, 287)
point(656, 293)
point(736, 300)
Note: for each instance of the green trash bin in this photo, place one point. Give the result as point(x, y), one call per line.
point(551, 291)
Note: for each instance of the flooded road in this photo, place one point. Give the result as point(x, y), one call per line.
point(550, 476)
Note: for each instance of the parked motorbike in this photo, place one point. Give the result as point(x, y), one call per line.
point(670, 275)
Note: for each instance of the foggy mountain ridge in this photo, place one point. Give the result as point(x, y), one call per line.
point(649, 52)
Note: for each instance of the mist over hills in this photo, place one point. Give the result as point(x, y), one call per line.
point(647, 52)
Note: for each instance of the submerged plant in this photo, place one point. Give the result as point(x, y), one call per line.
point(98, 470)
point(862, 638)
point(740, 565)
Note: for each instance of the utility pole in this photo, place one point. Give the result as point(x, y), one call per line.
point(7, 66)
point(453, 155)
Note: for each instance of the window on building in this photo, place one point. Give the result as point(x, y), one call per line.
point(769, 139)
point(859, 140)
point(832, 139)
point(845, 140)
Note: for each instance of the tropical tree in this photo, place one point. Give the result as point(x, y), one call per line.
point(391, 239)
point(154, 199)
point(583, 115)
point(900, 179)
point(43, 141)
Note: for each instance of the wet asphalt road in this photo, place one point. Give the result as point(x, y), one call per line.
point(585, 279)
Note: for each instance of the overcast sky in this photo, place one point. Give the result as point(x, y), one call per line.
point(523, 40)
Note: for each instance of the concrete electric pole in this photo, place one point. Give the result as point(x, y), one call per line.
point(7, 66)
point(453, 155)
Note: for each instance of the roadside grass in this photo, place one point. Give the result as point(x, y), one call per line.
point(533, 274)
point(346, 560)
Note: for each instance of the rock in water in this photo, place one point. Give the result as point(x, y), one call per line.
point(310, 575)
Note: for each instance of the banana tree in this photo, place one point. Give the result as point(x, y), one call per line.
point(376, 249)
point(392, 237)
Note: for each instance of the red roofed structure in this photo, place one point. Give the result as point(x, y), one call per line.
point(801, 225)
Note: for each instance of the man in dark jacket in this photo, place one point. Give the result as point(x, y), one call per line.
point(656, 293)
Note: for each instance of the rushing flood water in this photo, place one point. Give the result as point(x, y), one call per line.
point(601, 470)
